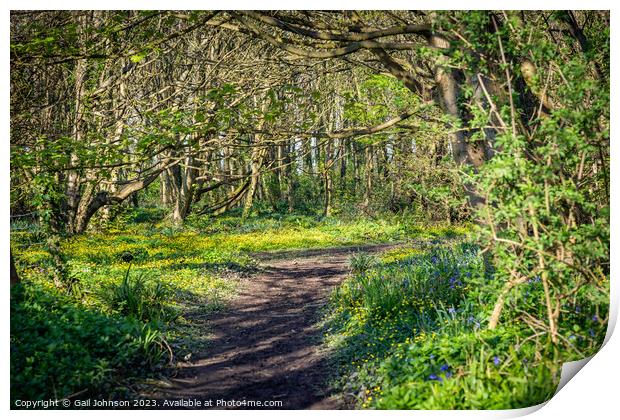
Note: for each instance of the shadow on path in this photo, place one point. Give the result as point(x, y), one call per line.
point(266, 346)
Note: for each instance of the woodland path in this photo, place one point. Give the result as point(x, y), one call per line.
point(266, 345)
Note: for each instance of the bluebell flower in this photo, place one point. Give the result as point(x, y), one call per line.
point(496, 360)
point(571, 337)
point(591, 332)
point(434, 377)
point(448, 374)
point(451, 310)
point(594, 318)
point(444, 367)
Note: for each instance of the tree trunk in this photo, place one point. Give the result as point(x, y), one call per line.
point(368, 169)
point(255, 166)
point(185, 193)
point(165, 189)
point(463, 152)
point(73, 176)
point(14, 276)
point(327, 180)
point(104, 198)
point(289, 176)
point(343, 164)
point(258, 155)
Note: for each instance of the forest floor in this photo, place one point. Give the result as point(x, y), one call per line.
point(266, 346)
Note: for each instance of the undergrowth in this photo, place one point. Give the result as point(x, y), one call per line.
point(132, 290)
point(410, 332)
point(61, 349)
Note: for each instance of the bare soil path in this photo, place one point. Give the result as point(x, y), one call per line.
point(266, 346)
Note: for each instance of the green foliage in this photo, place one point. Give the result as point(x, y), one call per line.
point(138, 298)
point(408, 334)
point(173, 272)
point(118, 320)
point(377, 96)
point(470, 370)
point(140, 215)
point(60, 347)
point(362, 262)
point(296, 231)
point(547, 185)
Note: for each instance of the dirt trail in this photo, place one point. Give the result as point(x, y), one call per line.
point(265, 346)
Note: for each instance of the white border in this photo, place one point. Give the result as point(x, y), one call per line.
point(593, 394)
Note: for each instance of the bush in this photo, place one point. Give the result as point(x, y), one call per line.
point(59, 347)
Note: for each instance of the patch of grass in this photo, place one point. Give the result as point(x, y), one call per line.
point(362, 262)
point(141, 299)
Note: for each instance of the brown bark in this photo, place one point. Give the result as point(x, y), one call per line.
point(73, 176)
